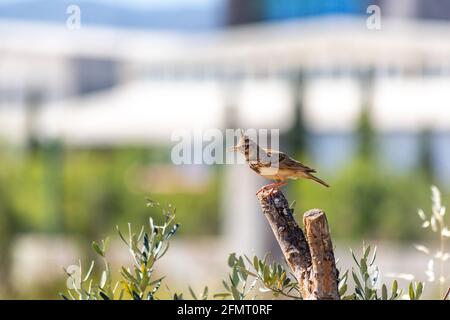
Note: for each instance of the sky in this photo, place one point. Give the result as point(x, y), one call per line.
point(164, 3)
point(149, 4)
point(180, 15)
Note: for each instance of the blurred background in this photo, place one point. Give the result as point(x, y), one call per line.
point(87, 114)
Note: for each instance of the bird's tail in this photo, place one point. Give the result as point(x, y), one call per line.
point(312, 177)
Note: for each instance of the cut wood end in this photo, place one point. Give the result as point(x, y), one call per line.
point(263, 195)
point(313, 214)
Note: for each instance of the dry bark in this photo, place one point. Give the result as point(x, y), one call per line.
point(310, 258)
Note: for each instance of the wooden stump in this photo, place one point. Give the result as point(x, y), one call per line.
point(310, 258)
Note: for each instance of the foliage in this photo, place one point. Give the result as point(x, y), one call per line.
point(366, 281)
point(246, 274)
point(276, 280)
point(90, 191)
point(437, 225)
point(99, 187)
point(374, 202)
point(137, 282)
point(151, 244)
point(203, 296)
point(374, 199)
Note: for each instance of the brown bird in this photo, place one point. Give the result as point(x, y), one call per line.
point(273, 165)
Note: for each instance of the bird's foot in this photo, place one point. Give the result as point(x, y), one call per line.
point(262, 189)
point(271, 187)
point(277, 186)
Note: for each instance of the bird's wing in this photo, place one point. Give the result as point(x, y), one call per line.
point(285, 161)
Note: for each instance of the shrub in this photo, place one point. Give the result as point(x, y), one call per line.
point(151, 243)
point(436, 267)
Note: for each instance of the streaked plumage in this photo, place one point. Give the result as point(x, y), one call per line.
point(273, 164)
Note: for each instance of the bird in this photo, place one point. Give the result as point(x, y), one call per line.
point(273, 164)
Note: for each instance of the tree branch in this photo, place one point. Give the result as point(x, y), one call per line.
point(310, 258)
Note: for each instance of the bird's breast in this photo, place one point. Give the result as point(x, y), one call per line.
point(269, 171)
point(280, 174)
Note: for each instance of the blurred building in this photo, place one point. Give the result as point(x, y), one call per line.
point(132, 75)
point(117, 58)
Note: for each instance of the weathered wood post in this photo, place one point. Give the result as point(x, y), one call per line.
point(310, 258)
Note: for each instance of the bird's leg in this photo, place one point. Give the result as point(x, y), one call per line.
point(272, 186)
point(277, 185)
point(264, 188)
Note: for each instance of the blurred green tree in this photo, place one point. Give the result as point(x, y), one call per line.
point(426, 154)
point(367, 199)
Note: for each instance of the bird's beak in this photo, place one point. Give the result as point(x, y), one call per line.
point(233, 149)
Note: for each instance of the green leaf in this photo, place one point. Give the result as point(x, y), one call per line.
point(344, 277)
point(235, 293)
point(162, 253)
point(88, 274)
point(419, 290)
point(222, 295)
point(266, 275)
point(359, 292)
point(156, 281)
point(292, 206)
point(355, 278)
point(103, 279)
point(374, 256)
point(121, 236)
point(121, 294)
point(151, 224)
point(128, 276)
point(266, 257)
point(146, 243)
point(105, 243)
point(363, 269)
point(242, 274)
point(130, 234)
point(97, 249)
point(366, 252)
point(225, 284)
point(247, 272)
point(64, 297)
point(256, 263)
point(136, 296)
point(151, 203)
point(104, 296)
point(158, 247)
point(354, 257)
point(172, 231)
point(367, 293)
point(231, 259)
point(141, 233)
point(343, 290)
point(178, 296)
point(411, 291)
point(192, 293)
point(394, 289)
point(384, 294)
point(205, 293)
point(235, 277)
point(241, 262)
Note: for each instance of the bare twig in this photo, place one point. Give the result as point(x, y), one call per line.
point(447, 294)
